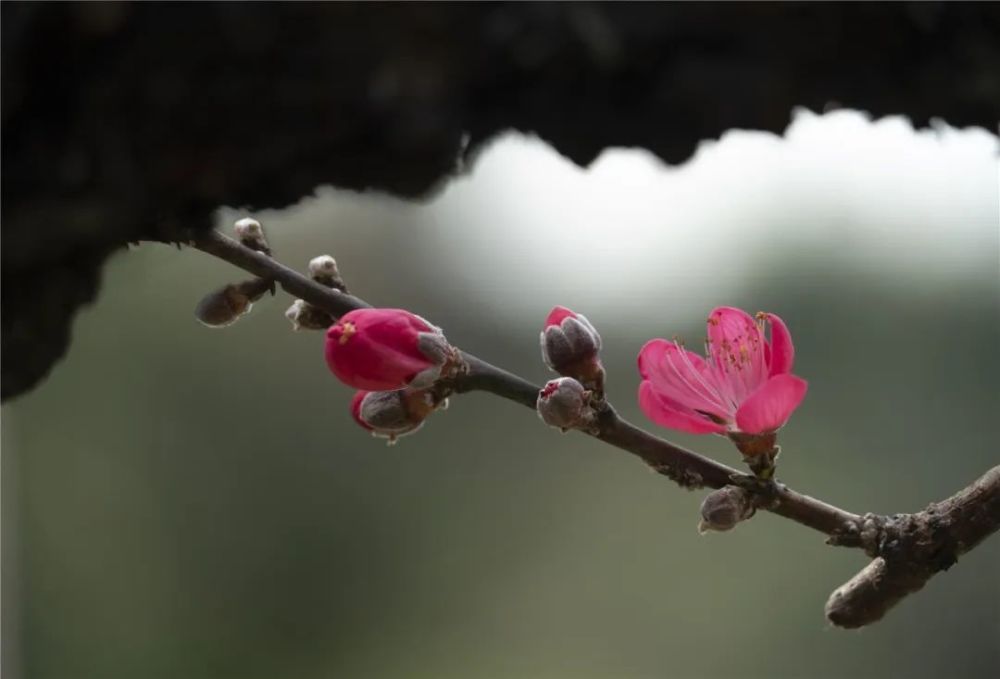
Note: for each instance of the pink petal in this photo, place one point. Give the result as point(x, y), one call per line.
point(782, 349)
point(768, 408)
point(727, 325)
point(681, 376)
point(557, 315)
point(668, 414)
point(737, 347)
point(651, 355)
point(356, 401)
point(655, 352)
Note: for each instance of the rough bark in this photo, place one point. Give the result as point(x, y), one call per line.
point(136, 120)
point(909, 549)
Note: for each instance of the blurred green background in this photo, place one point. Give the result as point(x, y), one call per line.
point(185, 502)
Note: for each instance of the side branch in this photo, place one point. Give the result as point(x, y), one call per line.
point(687, 468)
point(291, 281)
point(910, 549)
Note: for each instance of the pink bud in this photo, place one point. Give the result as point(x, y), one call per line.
point(387, 349)
point(565, 404)
point(570, 346)
point(391, 414)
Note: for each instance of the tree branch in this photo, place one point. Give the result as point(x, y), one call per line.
point(908, 548)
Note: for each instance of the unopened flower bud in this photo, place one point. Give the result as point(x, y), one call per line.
point(304, 315)
point(387, 349)
point(251, 234)
point(224, 306)
point(323, 270)
point(391, 414)
point(565, 404)
point(570, 346)
point(722, 509)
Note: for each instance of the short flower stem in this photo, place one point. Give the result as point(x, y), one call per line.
point(908, 548)
point(763, 465)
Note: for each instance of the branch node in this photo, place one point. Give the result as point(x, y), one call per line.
point(688, 479)
point(909, 549)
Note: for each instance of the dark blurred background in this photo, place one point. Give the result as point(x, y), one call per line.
point(179, 501)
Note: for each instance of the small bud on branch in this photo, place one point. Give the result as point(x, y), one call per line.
point(571, 347)
point(303, 315)
point(323, 270)
point(251, 234)
point(225, 306)
point(564, 403)
point(722, 509)
point(391, 414)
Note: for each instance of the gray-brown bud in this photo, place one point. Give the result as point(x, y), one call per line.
point(222, 307)
point(304, 315)
point(722, 509)
point(391, 414)
point(565, 404)
point(323, 270)
point(251, 234)
point(571, 346)
point(568, 339)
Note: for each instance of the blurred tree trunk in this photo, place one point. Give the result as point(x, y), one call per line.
point(127, 121)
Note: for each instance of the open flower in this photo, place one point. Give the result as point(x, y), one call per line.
point(386, 349)
point(744, 386)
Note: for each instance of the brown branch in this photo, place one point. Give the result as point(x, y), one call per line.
point(291, 281)
point(908, 549)
point(687, 468)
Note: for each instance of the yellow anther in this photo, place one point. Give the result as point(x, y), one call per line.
point(346, 333)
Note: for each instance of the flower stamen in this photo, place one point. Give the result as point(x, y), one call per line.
point(348, 330)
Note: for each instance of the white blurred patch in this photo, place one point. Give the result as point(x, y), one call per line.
point(878, 195)
point(527, 228)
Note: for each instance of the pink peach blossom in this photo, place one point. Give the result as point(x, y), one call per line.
point(744, 386)
point(385, 349)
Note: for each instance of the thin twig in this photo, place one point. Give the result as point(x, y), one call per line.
point(687, 468)
point(908, 548)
